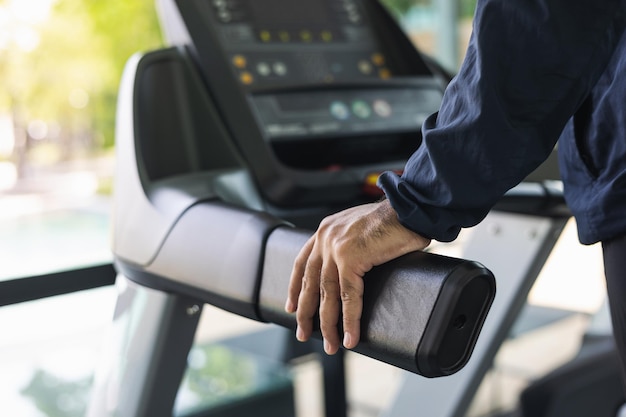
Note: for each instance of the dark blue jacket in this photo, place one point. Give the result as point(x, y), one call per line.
point(535, 71)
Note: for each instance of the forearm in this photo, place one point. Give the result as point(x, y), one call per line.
point(529, 65)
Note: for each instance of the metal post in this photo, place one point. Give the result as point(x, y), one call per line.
point(333, 367)
point(147, 353)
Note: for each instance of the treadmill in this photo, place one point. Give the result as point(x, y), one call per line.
point(261, 118)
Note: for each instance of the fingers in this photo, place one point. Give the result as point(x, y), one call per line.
point(309, 298)
point(315, 287)
point(330, 307)
point(352, 308)
point(329, 269)
point(297, 273)
point(313, 284)
point(322, 286)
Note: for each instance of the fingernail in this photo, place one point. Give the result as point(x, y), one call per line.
point(289, 306)
point(299, 334)
point(347, 340)
point(326, 346)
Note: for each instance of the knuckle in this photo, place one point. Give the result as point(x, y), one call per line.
point(325, 226)
point(329, 230)
point(329, 286)
point(310, 282)
point(314, 265)
point(347, 297)
point(347, 246)
point(310, 287)
point(323, 293)
point(300, 261)
point(350, 293)
point(329, 294)
point(341, 242)
point(303, 315)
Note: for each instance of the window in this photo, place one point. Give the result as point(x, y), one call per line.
point(60, 65)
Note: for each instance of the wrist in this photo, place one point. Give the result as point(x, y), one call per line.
point(389, 217)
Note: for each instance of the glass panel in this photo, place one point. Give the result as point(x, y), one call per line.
point(53, 241)
point(49, 351)
point(60, 66)
point(439, 28)
point(221, 377)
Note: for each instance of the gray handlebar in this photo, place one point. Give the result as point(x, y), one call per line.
point(421, 312)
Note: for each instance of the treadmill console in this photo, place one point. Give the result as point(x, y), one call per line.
point(270, 42)
point(325, 113)
point(316, 95)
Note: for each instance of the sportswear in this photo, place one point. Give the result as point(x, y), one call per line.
point(535, 72)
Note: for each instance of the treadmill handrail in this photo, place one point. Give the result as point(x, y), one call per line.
point(422, 312)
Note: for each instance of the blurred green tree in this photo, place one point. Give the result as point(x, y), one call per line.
point(60, 66)
point(123, 28)
point(57, 397)
point(466, 7)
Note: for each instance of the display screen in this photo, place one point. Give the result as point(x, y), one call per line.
point(297, 42)
point(289, 13)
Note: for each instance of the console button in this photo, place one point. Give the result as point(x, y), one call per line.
point(280, 68)
point(361, 109)
point(239, 61)
point(339, 110)
point(378, 59)
point(382, 108)
point(365, 67)
point(246, 78)
point(384, 73)
point(263, 68)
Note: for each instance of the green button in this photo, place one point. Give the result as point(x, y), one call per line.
point(361, 109)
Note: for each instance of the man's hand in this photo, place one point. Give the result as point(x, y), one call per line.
point(329, 269)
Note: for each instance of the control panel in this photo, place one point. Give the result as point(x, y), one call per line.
point(317, 96)
point(274, 42)
point(325, 113)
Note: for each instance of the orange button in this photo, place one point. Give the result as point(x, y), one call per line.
point(369, 185)
point(246, 78)
point(384, 73)
point(378, 59)
point(372, 179)
point(239, 61)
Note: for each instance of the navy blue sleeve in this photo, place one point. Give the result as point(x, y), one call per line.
point(528, 67)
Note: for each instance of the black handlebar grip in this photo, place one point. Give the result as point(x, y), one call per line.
point(421, 312)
